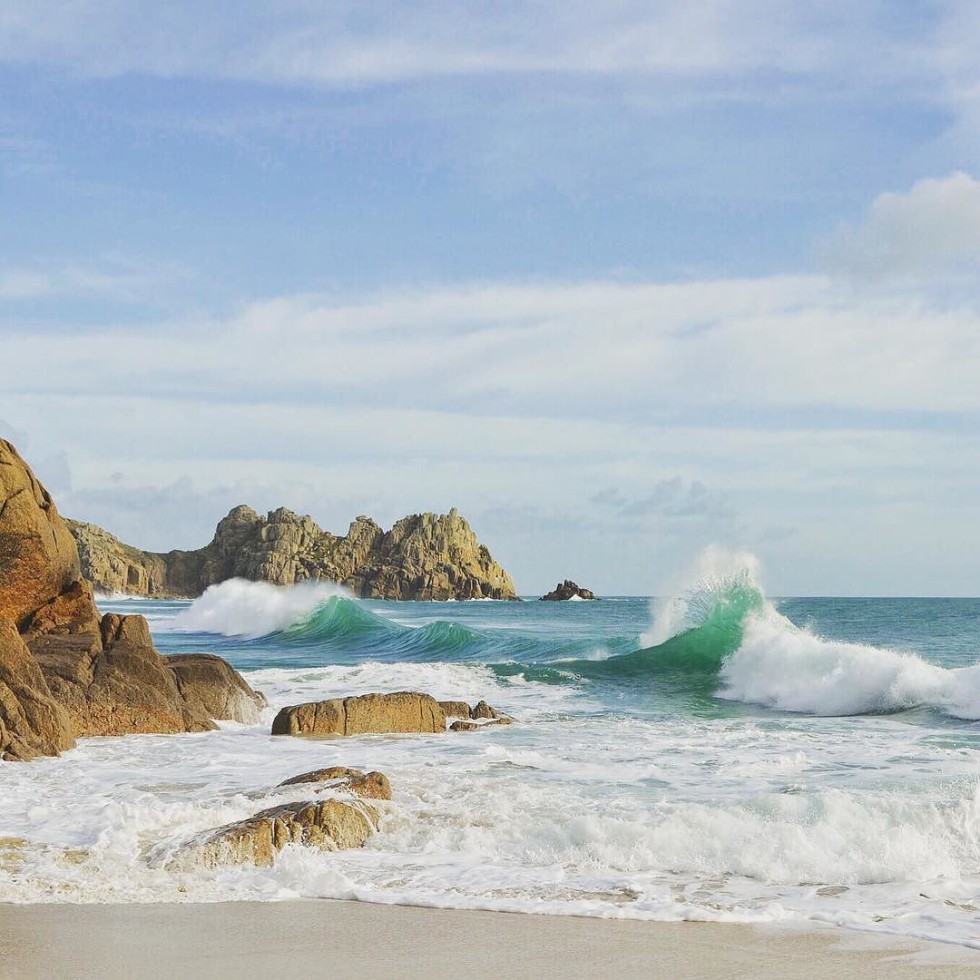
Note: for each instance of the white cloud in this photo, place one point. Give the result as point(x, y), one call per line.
point(577, 351)
point(370, 41)
point(933, 228)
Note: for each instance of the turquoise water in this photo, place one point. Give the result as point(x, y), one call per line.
point(718, 756)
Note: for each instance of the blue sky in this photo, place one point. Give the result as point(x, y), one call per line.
point(619, 281)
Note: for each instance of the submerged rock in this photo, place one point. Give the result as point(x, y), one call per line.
point(370, 785)
point(329, 825)
point(424, 556)
point(566, 590)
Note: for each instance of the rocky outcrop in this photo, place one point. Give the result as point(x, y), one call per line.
point(329, 825)
point(424, 556)
point(64, 671)
point(567, 590)
point(404, 711)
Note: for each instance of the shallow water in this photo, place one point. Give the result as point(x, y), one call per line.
point(805, 759)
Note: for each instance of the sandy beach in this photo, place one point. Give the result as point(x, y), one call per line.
point(243, 940)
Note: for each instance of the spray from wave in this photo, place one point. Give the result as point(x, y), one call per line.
point(724, 624)
point(237, 607)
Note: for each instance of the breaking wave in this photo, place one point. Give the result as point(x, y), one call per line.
point(722, 638)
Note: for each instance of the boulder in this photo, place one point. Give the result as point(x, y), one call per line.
point(329, 825)
point(404, 711)
point(371, 785)
point(455, 709)
point(566, 590)
point(483, 710)
point(32, 723)
point(209, 684)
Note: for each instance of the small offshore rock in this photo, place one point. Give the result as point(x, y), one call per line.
point(566, 590)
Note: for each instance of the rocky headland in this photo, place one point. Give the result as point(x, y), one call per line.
point(66, 671)
point(424, 556)
point(566, 590)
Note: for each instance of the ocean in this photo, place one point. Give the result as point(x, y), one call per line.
point(719, 756)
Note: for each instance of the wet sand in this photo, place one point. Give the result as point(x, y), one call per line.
point(327, 938)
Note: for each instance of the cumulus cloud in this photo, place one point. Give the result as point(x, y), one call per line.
point(932, 229)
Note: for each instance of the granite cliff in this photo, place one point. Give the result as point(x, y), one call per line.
point(424, 556)
point(66, 671)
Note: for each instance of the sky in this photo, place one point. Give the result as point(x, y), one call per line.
point(619, 281)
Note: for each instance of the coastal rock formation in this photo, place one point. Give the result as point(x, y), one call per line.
point(329, 825)
point(567, 590)
point(368, 785)
point(115, 567)
point(64, 671)
point(404, 711)
point(424, 556)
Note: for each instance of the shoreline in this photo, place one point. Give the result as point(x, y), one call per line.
point(239, 940)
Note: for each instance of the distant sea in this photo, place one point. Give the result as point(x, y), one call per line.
point(718, 756)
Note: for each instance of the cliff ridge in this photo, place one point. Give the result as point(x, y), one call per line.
point(424, 556)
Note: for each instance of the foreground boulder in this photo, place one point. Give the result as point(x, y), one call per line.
point(64, 671)
point(211, 685)
point(404, 711)
point(566, 590)
point(330, 825)
point(424, 556)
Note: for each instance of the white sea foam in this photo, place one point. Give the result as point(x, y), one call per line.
point(578, 808)
point(792, 669)
point(577, 814)
point(238, 607)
